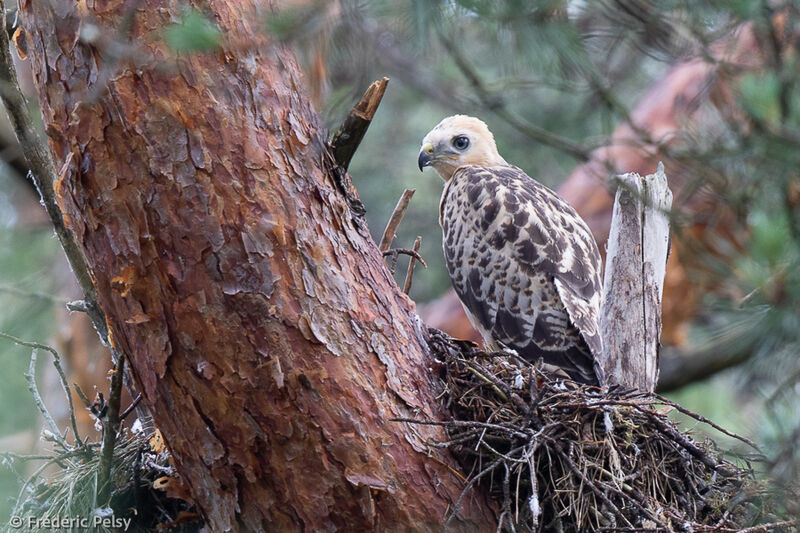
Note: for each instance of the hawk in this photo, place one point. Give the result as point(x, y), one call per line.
point(523, 262)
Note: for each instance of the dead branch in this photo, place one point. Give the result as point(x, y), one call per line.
point(37, 398)
point(346, 140)
point(395, 220)
point(411, 263)
point(636, 261)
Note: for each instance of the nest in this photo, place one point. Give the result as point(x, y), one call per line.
point(558, 456)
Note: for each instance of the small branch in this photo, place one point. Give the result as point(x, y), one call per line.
point(61, 376)
point(411, 263)
point(346, 140)
point(394, 252)
point(81, 395)
point(394, 220)
point(37, 398)
point(130, 408)
point(32, 294)
point(110, 427)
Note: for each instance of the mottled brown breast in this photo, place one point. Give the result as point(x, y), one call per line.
point(524, 265)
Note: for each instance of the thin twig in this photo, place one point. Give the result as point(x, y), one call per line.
point(411, 263)
point(131, 407)
point(37, 398)
point(463, 423)
point(393, 253)
point(684, 442)
point(32, 294)
point(395, 219)
point(471, 483)
point(81, 395)
point(701, 418)
point(61, 376)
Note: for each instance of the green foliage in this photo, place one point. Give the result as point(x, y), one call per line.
point(287, 22)
point(194, 33)
point(759, 96)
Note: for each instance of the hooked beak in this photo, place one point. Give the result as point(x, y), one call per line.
point(425, 156)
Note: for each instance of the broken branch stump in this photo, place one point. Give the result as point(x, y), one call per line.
point(636, 261)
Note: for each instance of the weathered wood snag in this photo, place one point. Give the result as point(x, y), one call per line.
point(633, 284)
point(270, 341)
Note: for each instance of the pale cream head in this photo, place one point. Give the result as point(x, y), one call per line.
point(457, 141)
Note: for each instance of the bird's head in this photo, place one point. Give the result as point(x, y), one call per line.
point(457, 141)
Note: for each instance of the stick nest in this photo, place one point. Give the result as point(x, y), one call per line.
point(558, 456)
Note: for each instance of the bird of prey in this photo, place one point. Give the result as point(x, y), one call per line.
point(523, 262)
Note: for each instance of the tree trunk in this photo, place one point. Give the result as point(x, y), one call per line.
point(270, 341)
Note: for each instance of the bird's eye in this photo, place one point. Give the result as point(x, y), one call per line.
point(460, 142)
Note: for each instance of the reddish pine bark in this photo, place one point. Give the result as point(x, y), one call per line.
point(270, 341)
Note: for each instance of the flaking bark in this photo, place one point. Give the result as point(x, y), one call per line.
point(270, 341)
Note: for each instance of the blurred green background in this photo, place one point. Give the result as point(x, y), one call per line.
point(553, 79)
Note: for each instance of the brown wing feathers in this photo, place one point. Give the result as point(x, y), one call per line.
point(525, 266)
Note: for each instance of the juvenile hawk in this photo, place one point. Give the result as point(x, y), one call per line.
point(523, 262)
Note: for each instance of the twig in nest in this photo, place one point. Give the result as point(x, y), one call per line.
point(494, 464)
point(411, 263)
point(394, 220)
